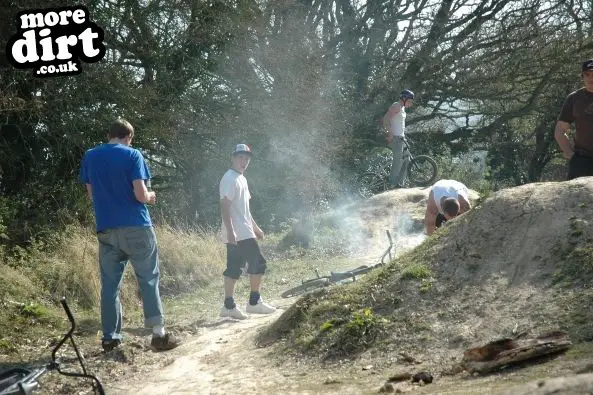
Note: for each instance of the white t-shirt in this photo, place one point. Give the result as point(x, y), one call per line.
point(398, 122)
point(233, 186)
point(448, 189)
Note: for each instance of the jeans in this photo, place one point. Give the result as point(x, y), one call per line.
point(116, 247)
point(398, 173)
point(580, 166)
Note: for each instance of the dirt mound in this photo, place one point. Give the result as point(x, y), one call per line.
point(520, 262)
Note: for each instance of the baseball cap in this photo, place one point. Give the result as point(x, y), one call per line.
point(242, 149)
point(587, 65)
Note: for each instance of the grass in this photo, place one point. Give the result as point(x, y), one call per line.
point(575, 263)
point(345, 320)
point(33, 280)
point(416, 272)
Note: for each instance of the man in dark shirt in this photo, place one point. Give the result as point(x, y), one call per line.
point(578, 108)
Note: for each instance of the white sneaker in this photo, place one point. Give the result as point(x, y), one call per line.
point(233, 313)
point(259, 308)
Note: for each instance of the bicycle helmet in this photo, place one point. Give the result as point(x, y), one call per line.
point(406, 94)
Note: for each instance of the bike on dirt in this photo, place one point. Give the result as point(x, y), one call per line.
point(24, 380)
point(337, 277)
point(421, 171)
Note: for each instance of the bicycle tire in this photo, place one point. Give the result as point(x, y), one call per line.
point(422, 171)
point(307, 286)
point(370, 184)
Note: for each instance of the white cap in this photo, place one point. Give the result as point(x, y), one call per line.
point(242, 149)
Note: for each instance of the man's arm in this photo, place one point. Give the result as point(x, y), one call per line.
point(258, 232)
point(225, 210)
point(142, 194)
point(464, 204)
point(430, 216)
point(562, 138)
point(89, 191)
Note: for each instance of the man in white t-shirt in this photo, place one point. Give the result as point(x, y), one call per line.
point(447, 199)
point(395, 123)
point(239, 233)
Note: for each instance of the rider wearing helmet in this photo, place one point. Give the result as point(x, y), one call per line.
point(395, 123)
point(406, 94)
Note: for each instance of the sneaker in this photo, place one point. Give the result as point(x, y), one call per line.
point(164, 343)
point(260, 308)
point(233, 313)
point(110, 344)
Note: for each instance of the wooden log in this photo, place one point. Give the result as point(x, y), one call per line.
point(503, 352)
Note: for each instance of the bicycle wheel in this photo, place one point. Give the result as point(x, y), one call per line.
point(370, 184)
point(306, 287)
point(422, 171)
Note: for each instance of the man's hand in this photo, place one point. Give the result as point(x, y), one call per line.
point(151, 197)
point(230, 235)
point(259, 234)
point(389, 138)
point(562, 139)
point(430, 215)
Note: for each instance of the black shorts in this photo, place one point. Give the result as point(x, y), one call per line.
point(440, 220)
point(246, 251)
point(580, 166)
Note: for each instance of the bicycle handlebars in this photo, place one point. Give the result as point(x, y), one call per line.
point(23, 380)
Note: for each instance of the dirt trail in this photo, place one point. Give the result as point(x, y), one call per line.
point(216, 362)
point(225, 358)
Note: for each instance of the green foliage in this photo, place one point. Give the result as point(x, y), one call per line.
point(576, 264)
point(416, 272)
point(574, 256)
point(326, 326)
point(6, 346)
point(361, 330)
point(426, 285)
point(33, 310)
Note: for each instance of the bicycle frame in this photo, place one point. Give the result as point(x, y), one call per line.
point(336, 277)
point(386, 161)
point(23, 380)
point(340, 276)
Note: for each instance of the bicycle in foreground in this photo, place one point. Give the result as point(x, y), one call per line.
point(421, 171)
point(24, 380)
point(337, 277)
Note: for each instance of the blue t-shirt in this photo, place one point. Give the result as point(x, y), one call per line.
point(110, 169)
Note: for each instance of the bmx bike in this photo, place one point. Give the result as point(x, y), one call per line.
point(24, 380)
point(421, 171)
point(337, 277)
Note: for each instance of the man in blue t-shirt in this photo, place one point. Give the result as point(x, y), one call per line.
point(115, 175)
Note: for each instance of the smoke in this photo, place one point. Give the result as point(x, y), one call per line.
point(361, 227)
point(408, 233)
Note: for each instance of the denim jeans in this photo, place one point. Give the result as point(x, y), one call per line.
point(398, 171)
point(116, 247)
point(580, 166)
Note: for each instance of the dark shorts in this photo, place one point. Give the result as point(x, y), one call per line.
point(246, 251)
point(580, 166)
point(440, 220)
